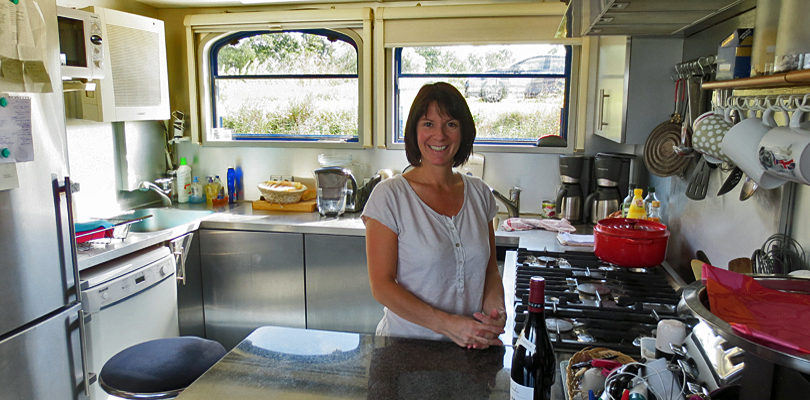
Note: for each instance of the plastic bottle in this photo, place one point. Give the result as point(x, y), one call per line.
point(220, 188)
point(197, 193)
point(637, 206)
point(183, 181)
point(210, 190)
point(655, 211)
point(649, 199)
point(231, 185)
point(628, 200)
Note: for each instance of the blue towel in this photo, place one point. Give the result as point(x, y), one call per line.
point(91, 225)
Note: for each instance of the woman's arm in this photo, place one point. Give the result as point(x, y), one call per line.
point(382, 255)
point(494, 312)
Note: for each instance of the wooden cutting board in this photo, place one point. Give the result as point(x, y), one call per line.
point(301, 206)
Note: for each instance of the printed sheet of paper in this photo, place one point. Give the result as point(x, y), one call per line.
point(15, 130)
point(8, 177)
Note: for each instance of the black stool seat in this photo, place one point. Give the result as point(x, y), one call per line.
point(159, 369)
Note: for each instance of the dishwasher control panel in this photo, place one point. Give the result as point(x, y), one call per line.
point(115, 290)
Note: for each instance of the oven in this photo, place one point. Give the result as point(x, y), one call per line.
point(129, 300)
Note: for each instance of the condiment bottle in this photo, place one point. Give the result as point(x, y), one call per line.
point(655, 211)
point(649, 199)
point(637, 206)
point(628, 200)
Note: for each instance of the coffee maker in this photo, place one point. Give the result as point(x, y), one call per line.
point(569, 198)
point(607, 198)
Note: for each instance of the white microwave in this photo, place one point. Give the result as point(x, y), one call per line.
point(80, 44)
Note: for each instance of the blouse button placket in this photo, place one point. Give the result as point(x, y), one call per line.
point(459, 253)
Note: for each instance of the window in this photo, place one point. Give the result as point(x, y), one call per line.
point(516, 93)
point(282, 86)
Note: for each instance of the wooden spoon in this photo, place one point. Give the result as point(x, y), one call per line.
point(741, 265)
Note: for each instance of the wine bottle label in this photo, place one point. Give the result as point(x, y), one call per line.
point(522, 341)
point(520, 392)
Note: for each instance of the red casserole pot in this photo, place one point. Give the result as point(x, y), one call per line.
point(632, 243)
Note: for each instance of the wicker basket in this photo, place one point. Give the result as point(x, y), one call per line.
point(574, 375)
point(274, 193)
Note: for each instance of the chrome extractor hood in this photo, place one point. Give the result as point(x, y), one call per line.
point(647, 17)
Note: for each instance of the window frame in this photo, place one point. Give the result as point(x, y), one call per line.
point(397, 64)
point(202, 30)
point(213, 75)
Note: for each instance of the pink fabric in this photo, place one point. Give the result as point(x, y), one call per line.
point(523, 224)
point(763, 315)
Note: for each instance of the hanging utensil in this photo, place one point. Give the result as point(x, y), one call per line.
point(731, 181)
point(699, 181)
point(685, 147)
point(748, 188)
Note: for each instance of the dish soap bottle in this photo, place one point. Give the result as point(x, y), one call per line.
point(183, 181)
point(210, 190)
point(637, 206)
point(197, 193)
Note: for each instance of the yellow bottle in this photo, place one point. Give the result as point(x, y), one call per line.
point(637, 206)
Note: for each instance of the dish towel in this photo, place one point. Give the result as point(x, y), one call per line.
point(524, 224)
point(569, 239)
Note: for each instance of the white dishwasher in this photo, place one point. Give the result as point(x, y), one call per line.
point(129, 300)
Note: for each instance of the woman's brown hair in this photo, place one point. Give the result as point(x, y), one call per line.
point(450, 102)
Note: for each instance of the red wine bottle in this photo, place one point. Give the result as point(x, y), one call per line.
point(533, 363)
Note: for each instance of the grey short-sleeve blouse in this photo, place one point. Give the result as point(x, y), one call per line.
point(441, 260)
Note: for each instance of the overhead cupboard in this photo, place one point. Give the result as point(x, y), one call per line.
point(378, 33)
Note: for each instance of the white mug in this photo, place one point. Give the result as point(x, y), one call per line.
point(741, 145)
point(785, 151)
point(669, 331)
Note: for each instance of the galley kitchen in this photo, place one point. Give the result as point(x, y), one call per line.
point(186, 187)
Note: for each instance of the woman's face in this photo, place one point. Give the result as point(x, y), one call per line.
point(438, 136)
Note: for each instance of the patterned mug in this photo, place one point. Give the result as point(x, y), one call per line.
point(709, 130)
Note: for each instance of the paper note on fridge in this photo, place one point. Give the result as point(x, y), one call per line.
point(16, 141)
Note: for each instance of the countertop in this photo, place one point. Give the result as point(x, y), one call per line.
point(289, 363)
point(241, 216)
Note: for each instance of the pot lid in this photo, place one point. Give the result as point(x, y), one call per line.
point(632, 228)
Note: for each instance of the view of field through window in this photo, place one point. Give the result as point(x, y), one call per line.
point(516, 93)
point(287, 84)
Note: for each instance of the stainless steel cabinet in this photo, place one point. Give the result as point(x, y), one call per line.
point(189, 290)
point(251, 279)
point(338, 292)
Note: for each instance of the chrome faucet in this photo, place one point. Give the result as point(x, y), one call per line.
point(512, 203)
point(146, 186)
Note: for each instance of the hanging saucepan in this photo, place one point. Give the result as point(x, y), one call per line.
point(660, 156)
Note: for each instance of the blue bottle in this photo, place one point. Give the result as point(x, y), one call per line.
point(231, 185)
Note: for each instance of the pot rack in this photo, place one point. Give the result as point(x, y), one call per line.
point(702, 66)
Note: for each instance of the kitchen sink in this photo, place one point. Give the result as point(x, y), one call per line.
point(164, 218)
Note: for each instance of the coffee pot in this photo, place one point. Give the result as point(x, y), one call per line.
point(569, 197)
point(606, 199)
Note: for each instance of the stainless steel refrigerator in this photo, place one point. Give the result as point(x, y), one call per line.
point(40, 340)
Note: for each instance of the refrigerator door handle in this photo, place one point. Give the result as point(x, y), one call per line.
point(68, 188)
point(89, 377)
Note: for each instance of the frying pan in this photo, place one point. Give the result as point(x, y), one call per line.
point(660, 157)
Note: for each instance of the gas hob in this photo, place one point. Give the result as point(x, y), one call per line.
point(591, 303)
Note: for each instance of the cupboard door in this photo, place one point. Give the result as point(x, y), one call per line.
point(338, 291)
point(611, 83)
point(251, 279)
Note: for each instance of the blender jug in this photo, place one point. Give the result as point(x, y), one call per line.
point(333, 196)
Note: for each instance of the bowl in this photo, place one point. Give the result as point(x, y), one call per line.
point(282, 192)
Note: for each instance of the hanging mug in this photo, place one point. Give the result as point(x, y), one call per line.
point(709, 130)
point(785, 151)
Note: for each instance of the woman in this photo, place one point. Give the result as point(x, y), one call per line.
point(429, 237)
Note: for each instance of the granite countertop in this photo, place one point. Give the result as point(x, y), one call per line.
point(289, 363)
point(241, 216)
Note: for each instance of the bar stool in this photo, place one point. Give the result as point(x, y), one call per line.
point(159, 369)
